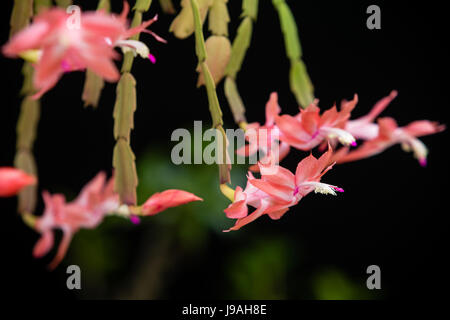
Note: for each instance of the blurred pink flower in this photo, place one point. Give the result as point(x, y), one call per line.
point(95, 201)
point(278, 189)
point(13, 180)
point(308, 128)
point(265, 137)
point(386, 133)
point(63, 47)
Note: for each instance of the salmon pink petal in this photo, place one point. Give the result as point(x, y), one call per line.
point(276, 215)
point(423, 127)
point(250, 218)
point(307, 169)
point(44, 244)
point(277, 175)
point(62, 249)
point(380, 106)
point(278, 192)
point(386, 128)
point(167, 199)
point(13, 180)
point(29, 38)
point(272, 109)
point(237, 210)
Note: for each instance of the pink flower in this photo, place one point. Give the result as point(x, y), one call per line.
point(308, 129)
point(278, 189)
point(63, 47)
point(389, 134)
point(385, 133)
point(95, 201)
point(13, 180)
point(167, 199)
point(265, 137)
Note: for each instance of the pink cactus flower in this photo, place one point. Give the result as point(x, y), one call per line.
point(62, 47)
point(95, 201)
point(265, 137)
point(385, 133)
point(13, 180)
point(389, 134)
point(308, 129)
point(279, 189)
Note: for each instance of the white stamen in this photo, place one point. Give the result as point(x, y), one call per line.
point(319, 187)
point(135, 46)
point(343, 136)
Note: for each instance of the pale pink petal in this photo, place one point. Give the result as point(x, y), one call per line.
point(167, 199)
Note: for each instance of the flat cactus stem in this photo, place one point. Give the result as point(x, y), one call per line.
point(299, 80)
point(21, 14)
point(63, 3)
point(167, 6)
point(241, 43)
point(124, 161)
point(29, 110)
point(213, 101)
point(93, 83)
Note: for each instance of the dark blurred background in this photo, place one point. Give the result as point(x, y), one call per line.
point(391, 214)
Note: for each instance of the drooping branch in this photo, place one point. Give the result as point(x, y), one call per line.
point(126, 179)
point(93, 83)
point(214, 107)
point(240, 46)
point(300, 82)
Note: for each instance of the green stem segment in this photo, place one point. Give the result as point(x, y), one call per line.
point(239, 48)
point(93, 83)
point(29, 112)
point(214, 107)
point(126, 179)
point(299, 80)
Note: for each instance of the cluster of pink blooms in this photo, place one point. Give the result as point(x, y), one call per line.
point(278, 188)
point(62, 48)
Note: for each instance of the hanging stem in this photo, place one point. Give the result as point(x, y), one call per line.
point(240, 46)
point(126, 179)
point(214, 107)
point(93, 83)
point(29, 114)
point(300, 82)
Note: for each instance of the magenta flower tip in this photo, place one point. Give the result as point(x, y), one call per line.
point(354, 144)
point(152, 58)
point(339, 189)
point(423, 162)
point(134, 219)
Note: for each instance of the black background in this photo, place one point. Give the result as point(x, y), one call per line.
point(392, 213)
